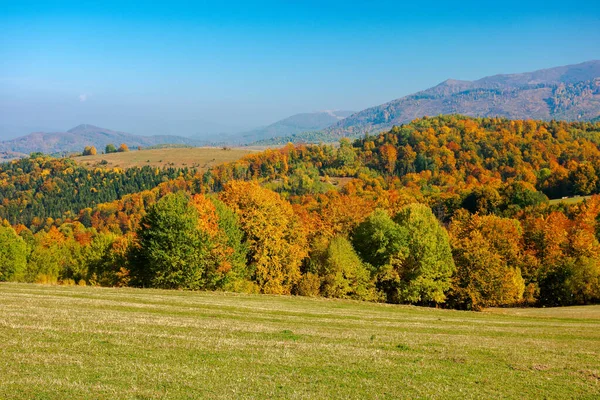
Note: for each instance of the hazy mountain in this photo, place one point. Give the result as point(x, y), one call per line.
point(74, 140)
point(570, 93)
point(299, 123)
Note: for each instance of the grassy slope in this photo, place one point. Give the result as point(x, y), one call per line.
point(570, 200)
point(70, 342)
point(197, 157)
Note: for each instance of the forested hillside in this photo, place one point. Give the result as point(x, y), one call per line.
point(450, 211)
point(39, 188)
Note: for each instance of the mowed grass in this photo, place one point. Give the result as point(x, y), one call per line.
point(193, 157)
point(82, 342)
point(570, 200)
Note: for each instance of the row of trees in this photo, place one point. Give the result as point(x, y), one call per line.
point(110, 148)
point(250, 239)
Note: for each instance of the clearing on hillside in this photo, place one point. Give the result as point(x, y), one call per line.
point(570, 200)
point(192, 157)
point(83, 342)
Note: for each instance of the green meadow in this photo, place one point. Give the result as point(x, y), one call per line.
point(59, 342)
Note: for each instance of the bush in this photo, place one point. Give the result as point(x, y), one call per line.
point(309, 285)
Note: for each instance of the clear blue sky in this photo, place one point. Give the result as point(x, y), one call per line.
point(194, 67)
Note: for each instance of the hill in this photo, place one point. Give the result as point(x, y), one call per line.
point(83, 342)
point(569, 93)
point(200, 158)
point(75, 139)
point(296, 124)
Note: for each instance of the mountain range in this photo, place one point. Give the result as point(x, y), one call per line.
point(299, 123)
point(74, 140)
point(569, 93)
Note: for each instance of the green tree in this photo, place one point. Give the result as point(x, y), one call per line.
point(106, 257)
point(379, 240)
point(570, 281)
point(343, 273)
point(110, 148)
point(425, 274)
point(13, 255)
point(234, 237)
point(172, 251)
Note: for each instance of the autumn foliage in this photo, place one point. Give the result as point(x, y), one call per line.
point(448, 211)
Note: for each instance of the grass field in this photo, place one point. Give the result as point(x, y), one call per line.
point(197, 157)
point(570, 200)
point(82, 342)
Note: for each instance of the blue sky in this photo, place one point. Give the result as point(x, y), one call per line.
point(202, 67)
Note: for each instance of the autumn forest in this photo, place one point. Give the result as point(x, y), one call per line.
point(450, 211)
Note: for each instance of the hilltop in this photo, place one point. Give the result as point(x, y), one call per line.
point(570, 93)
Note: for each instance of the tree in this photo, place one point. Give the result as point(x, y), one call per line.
point(380, 241)
point(89, 151)
point(226, 268)
point(123, 148)
point(172, 251)
point(571, 280)
point(424, 275)
point(110, 148)
point(389, 156)
point(583, 179)
point(343, 273)
point(487, 254)
point(49, 257)
point(107, 259)
point(276, 240)
point(13, 255)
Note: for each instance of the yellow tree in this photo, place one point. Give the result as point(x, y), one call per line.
point(487, 254)
point(89, 151)
point(275, 237)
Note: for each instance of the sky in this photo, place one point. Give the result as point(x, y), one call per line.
point(199, 68)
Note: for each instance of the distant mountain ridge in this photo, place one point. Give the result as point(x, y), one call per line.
point(296, 124)
point(75, 139)
point(570, 92)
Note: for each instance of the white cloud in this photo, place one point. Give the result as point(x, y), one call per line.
point(83, 97)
